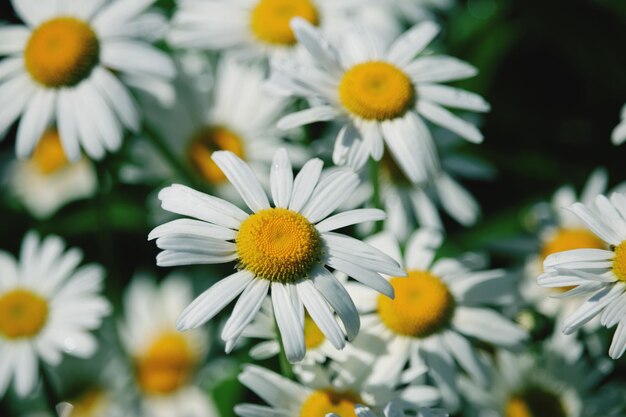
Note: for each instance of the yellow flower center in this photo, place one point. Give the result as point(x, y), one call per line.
point(313, 336)
point(322, 402)
point(270, 19)
point(62, 52)
point(22, 314)
point(534, 402)
point(207, 141)
point(278, 245)
point(423, 305)
point(166, 365)
point(376, 90)
point(93, 403)
point(619, 261)
point(569, 239)
point(49, 156)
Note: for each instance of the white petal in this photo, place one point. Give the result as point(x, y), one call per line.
point(35, 120)
point(34, 12)
point(246, 308)
point(308, 116)
point(289, 324)
point(281, 178)
point(192, 227)
point(13, 39)
point(25, 370)
point(320, 49)
point(243, 179)
point(68, 127)
point(305, 183)
point(320, 313)
point(14, 94)
point(137, 57)
point(174, 258)
point(421, 248)
point(618, 344)
point(439, 69)
point(453, 97)
point(348, 218)
point(117, 96)
point(592, 307)
point(457, 202)
point(447, 120)
point(365, 276)
point(488, 325)
point(466, 356)
point(441, 368)
point(412, 42)
point(329, 194)
point(596, 224)
point(274, 389)
point(118, 13)
point(562, 259)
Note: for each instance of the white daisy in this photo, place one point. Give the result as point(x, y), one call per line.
point(334, 391)
point(251, 29)
point(378, 92)
point(47, 306)
point(47, 181)
point(73, 56)
point(394, 409)
point(437, 309)
point(284, 247)
point(599, 272)
point(165, 361)
point(618, 136)
point(417, 10)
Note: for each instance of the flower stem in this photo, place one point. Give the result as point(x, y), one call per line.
point(51, 397)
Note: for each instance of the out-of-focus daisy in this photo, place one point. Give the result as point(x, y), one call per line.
point(251, 28)
point(548, 383)
point(415, 10)
point(561, 230)
point(394, 409)
point(165, 361)
point(379, 92)
point(93, 403)
point(75, 56)
point(47, 180)
point(48, 305)
point(591, 270)
point(230, 113)
point(285, 247)
point(437, 308)
point(618, 136)
point(335, 391)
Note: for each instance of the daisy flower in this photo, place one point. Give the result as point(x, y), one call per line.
point(595, 271)
point(165, 360)
point(618, 136)
point(48, 180)
point(252, 29)
point(230, 113)
point(415, 10)
point(561, 230)
point(71, 56)
point(437, 309)
point(394, 409)
point(48, 305)
point(285, 247)
point(335, 391)
point(378, 92)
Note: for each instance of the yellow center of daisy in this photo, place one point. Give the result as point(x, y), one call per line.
point(166, 365)
point(270, 19)
point(91, 404)
point(323, 402)
point(376, 90)
point(279, 245)
point(49, 156)
point(423, 305)
point(313, 336)
point(207, 141)
point(568, 239)
point(22, 314)
point(619, 261)
point(62, 52)
point(534, 402)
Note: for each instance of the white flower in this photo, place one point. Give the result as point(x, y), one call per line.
point(394, 409)
point(618, 136)
point(165, 360)
point(48, 181)
point(74, 56)
point(284, 247)
point(48, 305)
point(599, 272)
point(416, 10)
point(378, 92)
point(337, 391)
point(251, 29)
point(437, 308)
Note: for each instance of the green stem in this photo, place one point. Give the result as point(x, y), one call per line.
point(376, 199)
point(51, 397)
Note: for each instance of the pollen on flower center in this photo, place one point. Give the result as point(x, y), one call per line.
point(49, 156)
point(376, 90)
point(422, 306)
point(208, 140)
point(91, 403)
point(534, 402)
point(62, 52)
point(278, 245)
point(323, 402)
point(619, 261)
point(568, 239)
point(22, 314)
point(166, 365)
point(270, 19)
point(313, 336)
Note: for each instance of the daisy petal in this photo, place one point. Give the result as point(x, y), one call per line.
point(289, 324)
point(308, 116)
point(305, 183)
point(246, 308)
point(281, 179)
point(447, 120)
point(243, 179)
point(320, 313)
point(412, 42)
point(348, 218)
point(329, 194)
point(35, 120)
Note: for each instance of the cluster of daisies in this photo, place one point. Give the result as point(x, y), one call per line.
point(302, 152)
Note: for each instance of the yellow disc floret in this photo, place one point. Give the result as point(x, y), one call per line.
point(62, 52)
point(166, 365)
point(619, 261)
point(322, 402)
point(376, 90)
point(423, 305)
point(207, 141)
point(49, 156)
point(313, 336)
point(534, 402)
point(568, 239)
point(278, 245)
point(90, 404)
point(22, 314)
point(270, 19)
